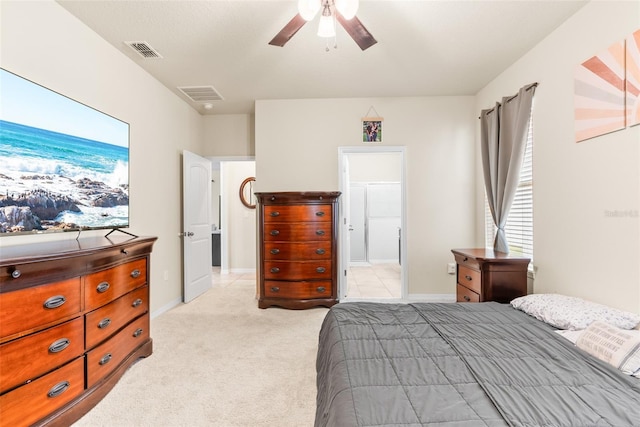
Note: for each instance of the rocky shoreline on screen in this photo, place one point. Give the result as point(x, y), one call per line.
point(37, 207)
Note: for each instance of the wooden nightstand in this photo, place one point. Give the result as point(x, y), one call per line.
point(484, 275)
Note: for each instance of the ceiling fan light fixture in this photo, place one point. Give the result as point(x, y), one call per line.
point(347, 8)
point(308, 9)
point(327, 27)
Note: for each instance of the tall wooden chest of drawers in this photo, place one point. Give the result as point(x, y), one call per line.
point(298, 263)
point(484, 275)
point(74, 315)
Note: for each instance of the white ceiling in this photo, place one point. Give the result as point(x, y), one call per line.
point(425, 47)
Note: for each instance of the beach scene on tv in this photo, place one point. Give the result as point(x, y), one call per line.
point(65, 166)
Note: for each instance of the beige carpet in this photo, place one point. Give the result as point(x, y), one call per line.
point(220, 361)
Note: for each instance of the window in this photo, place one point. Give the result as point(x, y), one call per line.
point(519, 228)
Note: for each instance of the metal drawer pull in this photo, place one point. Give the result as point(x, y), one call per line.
point(104, 323)
point(275, 270)
point(321, 289)
point(275, 213)
point(16, 273)
point(137, 332)
point(466, 298)
point(102, 287)
point(58, 389)
point(105, 359)
point(320, 213)
point(320, 232)
point(321, 269)
point(135, 273)
point(125, 252)
point(274, 251)
point(320, 251)
point(468, 278)
point(136, 303)
point(58, 345)
point(275, 289)
point(274, 232)
point(465, 259)
point(54, 302)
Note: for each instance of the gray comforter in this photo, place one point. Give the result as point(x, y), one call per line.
point(461, 365)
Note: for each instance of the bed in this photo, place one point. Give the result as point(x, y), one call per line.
point(461, 365)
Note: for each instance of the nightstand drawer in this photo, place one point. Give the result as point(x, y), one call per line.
point(470, 279)
point(298, 290)
point(466, 295)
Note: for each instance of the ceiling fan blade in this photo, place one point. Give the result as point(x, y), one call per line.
point(288, 31)
point(357, 31)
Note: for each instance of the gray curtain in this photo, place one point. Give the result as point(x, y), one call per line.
point(503, 139)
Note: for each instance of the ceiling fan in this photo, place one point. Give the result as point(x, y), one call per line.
point(343, 11)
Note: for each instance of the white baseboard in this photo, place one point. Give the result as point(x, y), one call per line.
point(166, 307)
point(432, 297)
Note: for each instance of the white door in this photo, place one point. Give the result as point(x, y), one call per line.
point(345, 228)
point(196, 233)
point(357, 225)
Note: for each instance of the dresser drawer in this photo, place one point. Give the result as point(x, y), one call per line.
point(297, 270)
point(107, 356)
point(466, 295)
point(297, 251)
point(297, 213)
point(36, 306)
point(36, 354)
point(31, 402)
point(105, 321)
point(469, 278)
point(298, 290)
point(297, 231)
point(104, 286)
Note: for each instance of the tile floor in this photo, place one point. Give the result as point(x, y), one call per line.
point(375, 281)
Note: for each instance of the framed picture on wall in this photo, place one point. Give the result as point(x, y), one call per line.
point(372, 129)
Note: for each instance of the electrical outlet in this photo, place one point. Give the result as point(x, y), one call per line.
point(451, 268)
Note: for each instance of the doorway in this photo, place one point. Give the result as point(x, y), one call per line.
point(372, 218)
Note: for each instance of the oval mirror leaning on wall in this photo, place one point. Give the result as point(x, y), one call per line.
point(246, 193)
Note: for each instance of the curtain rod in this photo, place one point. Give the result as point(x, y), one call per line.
point(532, 85)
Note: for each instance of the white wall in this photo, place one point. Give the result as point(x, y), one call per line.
point(43, 42)
point(578, 249)
point(228, 135)
point(297, 150)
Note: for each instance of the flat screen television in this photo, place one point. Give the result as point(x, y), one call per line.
point(64, 166)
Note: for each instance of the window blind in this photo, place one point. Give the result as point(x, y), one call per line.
point(519, 227)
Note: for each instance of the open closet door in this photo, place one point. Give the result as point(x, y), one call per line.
point(196, 233)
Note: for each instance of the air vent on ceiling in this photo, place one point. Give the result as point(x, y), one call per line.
point(201, 94)
point(143, 49)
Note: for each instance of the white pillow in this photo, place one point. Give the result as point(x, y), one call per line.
point(618, 347)
point(572, 313)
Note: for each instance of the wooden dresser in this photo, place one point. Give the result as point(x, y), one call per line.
point(298, 232)
point(485, 275)
point(74, 315)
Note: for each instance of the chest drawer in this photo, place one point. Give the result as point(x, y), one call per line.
point(36, 354)
point(36, 306)
point(298, 290)
point(42, 396)
point(297, 270)
point(297, 231)
point(105, 321)
point(297, 251)
point(469, 278)
point(297, 213)
point(105, 286)
point(103, 359)
point(466, 295)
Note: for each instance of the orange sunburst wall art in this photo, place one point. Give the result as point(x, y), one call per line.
point(633, 79)
point(600, 93)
